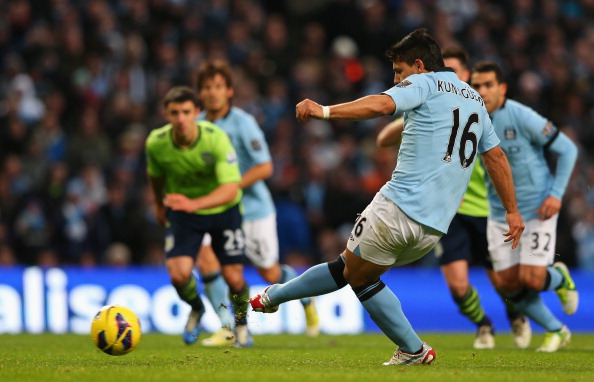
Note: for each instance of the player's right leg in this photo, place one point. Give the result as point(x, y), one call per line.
point(180, 271)
point(215, 289)
point(468, 301)
point(520, 325)
point(466, 239)
point(182, 242)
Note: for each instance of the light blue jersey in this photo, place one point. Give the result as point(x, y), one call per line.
point(524, 135)
point(445, 126)
point(251, 147)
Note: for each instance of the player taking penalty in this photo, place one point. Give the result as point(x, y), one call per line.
point(446, 126)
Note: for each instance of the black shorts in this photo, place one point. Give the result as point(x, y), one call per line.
point(186, 231)
point(466, 240)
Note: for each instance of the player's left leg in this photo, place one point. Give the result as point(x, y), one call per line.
point(263, 251)
point(384, 236)
point(566, 291)
point(239, 295)
point(531, 304)
point(228, 244)
point(317, 280)
point(555, 278)
point(382, 305)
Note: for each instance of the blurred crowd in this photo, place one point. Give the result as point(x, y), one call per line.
point(81, 83)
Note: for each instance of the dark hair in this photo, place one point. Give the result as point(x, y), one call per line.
point(489, 66)
point(210, 69)
point(417, 45)
point(180, 94)
point(458, 53)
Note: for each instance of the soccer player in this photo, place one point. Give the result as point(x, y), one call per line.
point(445, 127)
point(525, 271)
point(194, 176)
point(466, 238)
point(215, 90)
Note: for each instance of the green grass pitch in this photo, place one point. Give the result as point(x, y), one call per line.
point(327, 358)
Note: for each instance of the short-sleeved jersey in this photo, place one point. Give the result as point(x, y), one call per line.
point(474, 202)
point(252, 150)
point(445, 126)
point(523, 133)
point(196, 171)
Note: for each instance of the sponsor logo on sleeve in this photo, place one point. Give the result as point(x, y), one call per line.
point(256, 145)
point(403, 84)
point(548, 129)
point(231, 157)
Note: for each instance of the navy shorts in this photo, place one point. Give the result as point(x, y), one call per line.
point(185, 232)
point(466, 240)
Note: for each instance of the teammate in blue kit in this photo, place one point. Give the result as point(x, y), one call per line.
point(525, 271)
point(445, 127)
point(215, 88)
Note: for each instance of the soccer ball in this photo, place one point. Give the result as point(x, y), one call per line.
point(115, 330)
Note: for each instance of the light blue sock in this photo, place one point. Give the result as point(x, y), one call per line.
point(530, 303)
point(384, 308)
point(289, 273)
point(215, 289)
point(554, 279)
point(315, 281)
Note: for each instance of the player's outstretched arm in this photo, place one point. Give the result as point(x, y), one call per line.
point(363, 108)
point(221, 195)
point(391, 134)
point(499, 171)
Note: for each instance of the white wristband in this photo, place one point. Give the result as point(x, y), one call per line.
point(325, 112)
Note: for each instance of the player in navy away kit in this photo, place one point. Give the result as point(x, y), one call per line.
point(525, 271)
point(445, 127)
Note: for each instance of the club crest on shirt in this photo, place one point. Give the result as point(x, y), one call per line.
point(208, 158)
point(548, 128)
point(403, 84)
point(509, 133)
point(256, 145)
